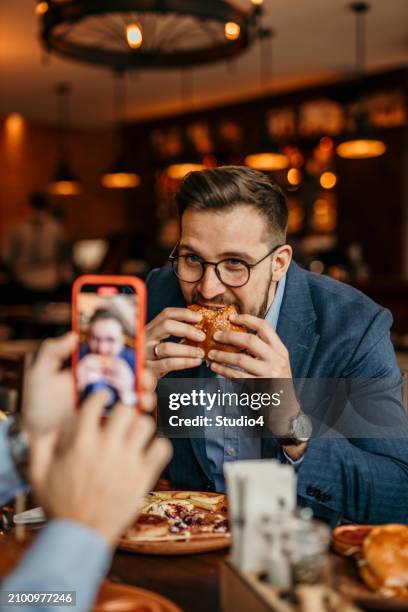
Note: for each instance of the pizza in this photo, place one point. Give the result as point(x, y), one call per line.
point(179, 515)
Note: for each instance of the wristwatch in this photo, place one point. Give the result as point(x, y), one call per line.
point(18, 445)
point(300, 431)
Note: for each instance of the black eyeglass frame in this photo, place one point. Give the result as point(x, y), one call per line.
point(174, 258)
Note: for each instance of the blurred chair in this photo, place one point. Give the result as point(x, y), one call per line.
point(14, 359)
point(11, 382)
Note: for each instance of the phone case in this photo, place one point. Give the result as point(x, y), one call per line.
point(140, 290)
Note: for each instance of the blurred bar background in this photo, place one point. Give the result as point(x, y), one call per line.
point(309, 77)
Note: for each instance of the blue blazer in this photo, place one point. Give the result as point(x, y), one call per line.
point(332, 331)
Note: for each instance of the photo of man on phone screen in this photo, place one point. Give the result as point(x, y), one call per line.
point(105, 360)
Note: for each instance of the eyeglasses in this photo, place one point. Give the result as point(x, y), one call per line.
point(231, 272)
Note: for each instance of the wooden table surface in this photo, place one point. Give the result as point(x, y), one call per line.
point(192, 582)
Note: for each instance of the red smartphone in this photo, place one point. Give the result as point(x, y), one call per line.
point(108, 314)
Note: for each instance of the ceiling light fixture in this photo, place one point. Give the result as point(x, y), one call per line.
point(14, 126)
point(269, 157)
point(361, 144)
point(166, 33)
point(270, 161)
point(120, 175)
point(179, 171)
point(361, 148)
point(190, 160)
point(64, 182)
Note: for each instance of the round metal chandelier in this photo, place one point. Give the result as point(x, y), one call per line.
point(147, 34)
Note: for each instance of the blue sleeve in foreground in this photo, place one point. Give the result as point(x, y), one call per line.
point(10, 481)
point(66, 556)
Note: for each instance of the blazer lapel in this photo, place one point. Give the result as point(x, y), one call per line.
point(297, 322)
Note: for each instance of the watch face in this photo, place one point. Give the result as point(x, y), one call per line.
point(302, 428)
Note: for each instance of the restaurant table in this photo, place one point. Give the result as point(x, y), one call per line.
point(191, 581)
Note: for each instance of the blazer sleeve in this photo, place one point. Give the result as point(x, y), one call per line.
point(364, 479)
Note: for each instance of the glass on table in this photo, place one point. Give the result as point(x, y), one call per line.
point(296, 548)
point(306, 544)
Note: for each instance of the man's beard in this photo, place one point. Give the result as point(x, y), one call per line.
point(257, 311)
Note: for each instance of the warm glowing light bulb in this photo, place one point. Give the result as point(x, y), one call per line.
point(64, 188)
point(257, 2)
point(267, 161)
point(361, 148)
point(120, 180)
point(294, 176)
point(14, 127)
point(179, 171)
point(134, 35)
point(41, 8)
point(328, 180)
point(232, 30)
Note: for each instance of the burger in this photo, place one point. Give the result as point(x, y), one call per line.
point(384, 562)
point(215, 319)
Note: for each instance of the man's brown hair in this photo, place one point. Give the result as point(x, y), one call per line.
point(228, 186)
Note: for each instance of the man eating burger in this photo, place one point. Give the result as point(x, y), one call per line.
point(290, 324)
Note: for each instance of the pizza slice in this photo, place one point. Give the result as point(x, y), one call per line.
point(180, 514)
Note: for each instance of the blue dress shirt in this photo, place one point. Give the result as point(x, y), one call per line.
point(231, 446)
point(66, 556)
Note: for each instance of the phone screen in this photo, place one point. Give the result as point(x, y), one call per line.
point(107, 324)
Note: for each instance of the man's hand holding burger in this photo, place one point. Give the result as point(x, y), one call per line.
point(163, 356)
point(262, 355)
